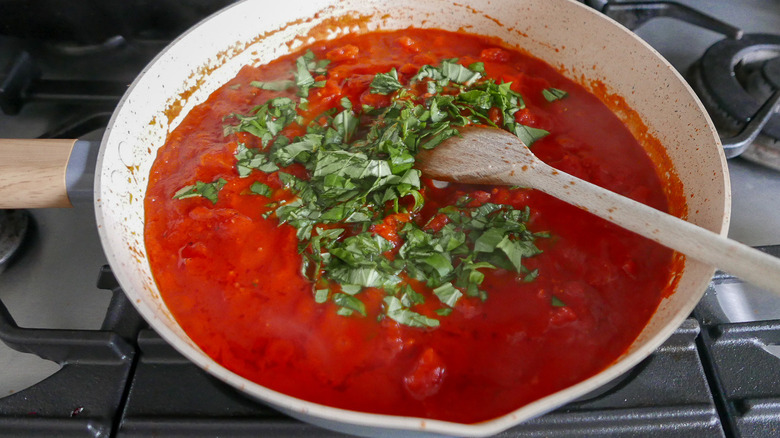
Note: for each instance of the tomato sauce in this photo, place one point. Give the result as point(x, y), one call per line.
point(233, 280)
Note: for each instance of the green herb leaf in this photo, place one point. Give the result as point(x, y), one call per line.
point(346, 124)
point(261, 189)
point(489, 240)
point(402, 315)
point(321, 296)
point(448, 294)
point(531, 276)
point(317, 66)
point(410, 298)
point(478, 67)
point(553, 94)
point(280, 85)
point(528, 134)
point(428, 71)
point(267, 120)
point(440, 263)
point(556, 302)
point(351, 289)
point(209, 191)
point(386, 83)
point(307, 144)
point(305, 65)
point(303, 79)
point(458, 73)
point(350, 302)
point(444, 311)
point(365, 276)
point(514, 250)
point(248, 160)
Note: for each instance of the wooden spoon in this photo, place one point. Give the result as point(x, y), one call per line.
point(493, 156)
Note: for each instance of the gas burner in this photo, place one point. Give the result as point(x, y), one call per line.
point(738, 82)
point(13, 228)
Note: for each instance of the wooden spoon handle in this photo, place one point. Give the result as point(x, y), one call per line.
point(731, 256)
point(32, 173)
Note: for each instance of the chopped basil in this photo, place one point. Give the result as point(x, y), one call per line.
point(478, 67)
point(553, 94)
point(528, 134)
point(410, 298)
point(448, 294)
point(351, 289)
point(209, 191)
point(357, 175)
point(287, 154)
point(515, 250)
point(345, 123)
point(317, 66)
point(444, 311)
point(440, 263)
point(321, 295)
point(489, 240)
point(531, 276)
point(305, 66)
point(349, 302)
point(386, 83)
point(428, 71)
point(261, 189)
point(459, 74)
point(556, 302)
point(250, 159)
point(403, 315)
point(274, 85)
point(267, 120)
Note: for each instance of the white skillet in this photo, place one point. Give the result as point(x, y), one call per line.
point(583, 44)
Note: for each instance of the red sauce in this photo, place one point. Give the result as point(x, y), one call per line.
point(232, 279)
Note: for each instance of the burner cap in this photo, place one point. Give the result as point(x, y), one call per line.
point(726, 67)
point(13, 228)
point(734, 78)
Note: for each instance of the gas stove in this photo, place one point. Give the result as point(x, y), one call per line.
point(84, 363)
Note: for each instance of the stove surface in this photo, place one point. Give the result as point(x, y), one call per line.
point(755, 189)
point(52, 284)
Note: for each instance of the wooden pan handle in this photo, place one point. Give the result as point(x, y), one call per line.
point(32, 173)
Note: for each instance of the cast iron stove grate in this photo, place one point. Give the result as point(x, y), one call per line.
point(742, 362)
